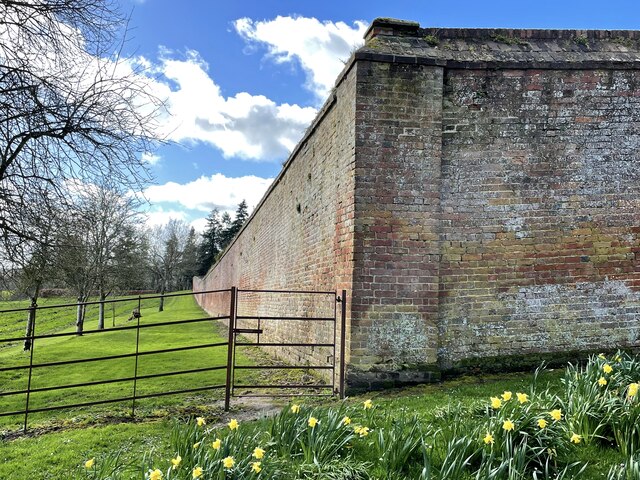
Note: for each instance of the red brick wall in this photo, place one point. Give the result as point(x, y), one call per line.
point(300, 237)
point(540, 202)
point(395, 290)
point(470, 213)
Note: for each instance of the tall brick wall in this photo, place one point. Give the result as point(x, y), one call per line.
point(395, 290)
point(476, 192)
point(540, 199)
point(300, 237)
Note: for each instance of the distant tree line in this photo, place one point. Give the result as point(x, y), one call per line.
point(98, 246)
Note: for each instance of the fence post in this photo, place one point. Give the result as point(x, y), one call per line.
point(230, 349)
point(32, 319)
point(135, 371)
point(343, 337)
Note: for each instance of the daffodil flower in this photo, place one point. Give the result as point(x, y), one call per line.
point(90, 463)
point(201, 421)
point(228, 462)
point(522, 397)
point(367, 404)
point(575, 438)
point(313, 421)
point(556, 414)
point(496, 402)
point(506, 396)
point(488, 439)
point(175, 462)
point(542, 423)
point(258, 453)
point(155, 474)
point(508, 425)
point(233, 424)
point(197, 472)
point(295, 408)
point(256, 467)
point(216, 444)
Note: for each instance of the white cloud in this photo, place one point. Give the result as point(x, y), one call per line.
point(150, 158)
point(319, 47)
point(161, 217)
point(247, 126)
point(206, 193)
point(199, 224)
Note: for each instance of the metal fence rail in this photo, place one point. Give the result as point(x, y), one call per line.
point(335, 386)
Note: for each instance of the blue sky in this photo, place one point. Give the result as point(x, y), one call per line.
point(244, 78)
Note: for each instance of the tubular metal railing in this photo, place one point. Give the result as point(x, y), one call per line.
point(336, 385)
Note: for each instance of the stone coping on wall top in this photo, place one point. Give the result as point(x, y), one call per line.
point(400, 41)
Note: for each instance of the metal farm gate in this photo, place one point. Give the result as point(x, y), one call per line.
point(276, 321)
point(283, 316)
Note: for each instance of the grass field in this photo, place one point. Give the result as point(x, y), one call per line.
point(61, 454)
point(60, 441)
point(109, 343)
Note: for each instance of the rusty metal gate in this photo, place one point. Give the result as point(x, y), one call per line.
point(250, 316)
point(276, 325)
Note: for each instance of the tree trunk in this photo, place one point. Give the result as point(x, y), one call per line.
point(162, 291)
point(101, 310)
point(80, 315)
point(31, 320)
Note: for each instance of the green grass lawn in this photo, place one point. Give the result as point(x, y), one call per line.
point(60, 441)
point(109, 343)
point(58, 455)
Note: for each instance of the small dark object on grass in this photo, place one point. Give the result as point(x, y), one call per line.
point(135, 313)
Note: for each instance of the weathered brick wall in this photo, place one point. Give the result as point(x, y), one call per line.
point(395, 290)
point(540, 202)
point(299, 238)
point(476, 192)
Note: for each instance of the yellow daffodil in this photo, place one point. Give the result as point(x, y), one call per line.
point(367, 404)
point(602, 381)
point(488, 439)
point(508, 425)
point(197, 472)
point(155, 474)
point(196, 445)
point(90, 463)
point(542, 423)
point(633, 390)
point(295, 408)
point(362, 431)
point(522, 397)
point(258, 453)
point(228, 462)
point(601, 356)
point(496, 402)
point(216, 444)
point(575, 438)
point(313, 421)
point(506, 396)
point(606, 368)
point(201, 421)
point(346, 421)
point(176, 462)
point(233, 424)
point(556, 414)
point(256, 467)
point(618, 358)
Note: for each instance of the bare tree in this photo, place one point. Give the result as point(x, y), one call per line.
point(29, 264)
point(88, 245)
point(166, 255)
point(71, 109)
